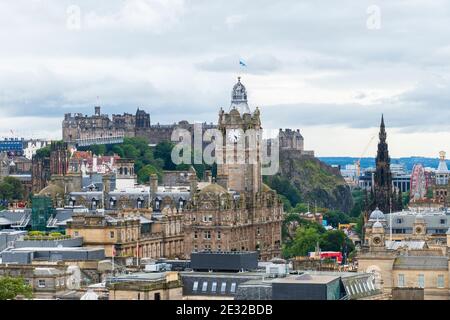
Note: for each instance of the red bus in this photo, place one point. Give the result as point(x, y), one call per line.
point(334, 255)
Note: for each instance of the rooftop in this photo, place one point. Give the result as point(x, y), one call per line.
point(421, 263)
point(308, 278)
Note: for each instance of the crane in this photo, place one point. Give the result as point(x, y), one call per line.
point(358, 162)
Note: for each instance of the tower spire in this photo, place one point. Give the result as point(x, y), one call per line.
point(383, 192)
point(382, 133)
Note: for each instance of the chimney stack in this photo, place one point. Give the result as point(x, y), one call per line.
point(153, 185)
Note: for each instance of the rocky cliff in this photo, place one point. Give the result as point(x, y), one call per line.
point(315, 181)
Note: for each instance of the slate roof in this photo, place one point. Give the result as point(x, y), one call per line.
point(412, 245)
point(405, 220)
point(226, 284)
point(8, 217)
point(421, 263)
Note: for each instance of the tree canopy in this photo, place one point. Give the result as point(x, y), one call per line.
point(308, 234)
point(11, 287)
point(11, 189)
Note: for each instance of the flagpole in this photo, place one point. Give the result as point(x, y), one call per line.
point(113, 254)
point(390, 221)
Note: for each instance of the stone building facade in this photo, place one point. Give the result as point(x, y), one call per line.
point(4, 165)
point(131, 233)
point(164, 286)
point(417, 261)
point(293, 141)
point(441, 188)
point(237, 212)
point(78, 126)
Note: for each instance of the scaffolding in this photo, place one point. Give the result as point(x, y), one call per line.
point(41, 210)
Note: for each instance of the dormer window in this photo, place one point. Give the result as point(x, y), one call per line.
point(140, 203)
point(112, 202)
point(94, 204)
point(180, 203)
point(157, 204)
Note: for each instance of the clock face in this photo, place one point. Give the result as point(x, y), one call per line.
point(376, 240)
point(234, 135)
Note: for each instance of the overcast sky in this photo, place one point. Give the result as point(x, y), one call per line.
point(328, 68)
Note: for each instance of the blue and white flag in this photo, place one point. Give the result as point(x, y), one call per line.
point(242, 63)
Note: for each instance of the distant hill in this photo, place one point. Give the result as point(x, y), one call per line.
point(307, 179)
point(408, 162)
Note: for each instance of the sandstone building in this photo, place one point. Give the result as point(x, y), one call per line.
point(77, 127)
point(418, 261)
point(237, 212)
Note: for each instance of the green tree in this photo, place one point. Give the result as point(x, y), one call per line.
point(43, 152)
point(145, 173)
point(163, 151)
point(286, 203)
point(360, 224)
point(429, 194)
point(284, 187)
point(130, 151)
point(405, 199)
point(335, 240)
point(305, 241)
point(301, 208)
point(11, 189)
point(117, 149)
point(334, 217)
point(11, 287)
point(98, 149)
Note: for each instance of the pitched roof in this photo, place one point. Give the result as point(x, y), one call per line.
point(421, 263)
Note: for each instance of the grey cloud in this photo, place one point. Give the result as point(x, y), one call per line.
point(423, 108)
point(256, 64)
point(195, 57)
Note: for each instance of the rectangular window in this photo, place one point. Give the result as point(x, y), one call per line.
point(41, 283)
point(210, 218)
point(421, 281)
point(401, 280)
point(207, 235)
point(75, 233)
point(195, 235)
point(214, 287)
point(205, 286)
point(440, 281)
point(223, 288)
point(219, 235)
point(111, 234)
point(233, 287)
point(195, 287)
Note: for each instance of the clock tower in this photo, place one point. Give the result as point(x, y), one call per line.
point(240, 166)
